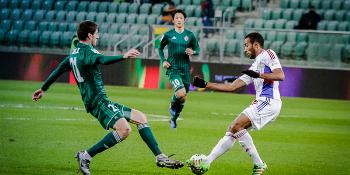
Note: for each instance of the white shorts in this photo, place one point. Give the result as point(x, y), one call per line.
point(262, 111)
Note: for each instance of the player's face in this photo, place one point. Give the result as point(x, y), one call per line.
point(179, 20)
point(95, 37)
point(248, 49)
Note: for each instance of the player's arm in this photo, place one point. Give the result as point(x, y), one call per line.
point(276, 75)
point(195, 47)
point(163, 42)
point(97, 58)
point(199, 82)
point(60, 69)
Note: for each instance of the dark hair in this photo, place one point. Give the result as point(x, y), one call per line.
point(179, 11)
point(85, 28)
point(255, 37)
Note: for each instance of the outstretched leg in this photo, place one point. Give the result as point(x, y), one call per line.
point(120, 132)
point(237, 131)
point(146, 134)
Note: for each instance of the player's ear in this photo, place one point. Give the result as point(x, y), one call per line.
point(256, 44)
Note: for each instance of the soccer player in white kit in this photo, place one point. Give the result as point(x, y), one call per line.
point(265, 73)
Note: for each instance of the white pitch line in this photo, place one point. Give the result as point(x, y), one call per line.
point(151, 117)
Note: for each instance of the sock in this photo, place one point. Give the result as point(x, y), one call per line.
point(246, 141)
point(108, 141)
point(147, 136)
point(87, 156)
point(221, 147)
point(176, 105)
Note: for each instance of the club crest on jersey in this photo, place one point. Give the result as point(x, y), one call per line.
point(186, 38)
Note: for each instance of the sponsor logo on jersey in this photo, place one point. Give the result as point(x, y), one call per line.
point(173, 37)
point(186, 38)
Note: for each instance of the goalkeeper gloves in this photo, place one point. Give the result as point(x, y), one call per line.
point(199, 82)
point(251, 73)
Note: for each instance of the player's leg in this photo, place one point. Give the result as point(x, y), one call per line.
point(178, 99)
point(110, 117)
point(140, 119)
point(228, 140)
point(239, 128)
point(263, 111)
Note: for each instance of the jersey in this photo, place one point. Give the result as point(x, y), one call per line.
point(265, 62)
point(84, 61)
point(177, 44)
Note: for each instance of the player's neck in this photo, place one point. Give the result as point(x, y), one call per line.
point(87, 42)
point(258, 52)
point(179, 29)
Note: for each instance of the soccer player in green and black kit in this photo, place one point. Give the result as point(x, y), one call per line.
point(84, 62)
point(182, 44)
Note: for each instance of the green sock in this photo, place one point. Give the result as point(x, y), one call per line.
point(147, 136)
point(108, 141)
point(179, 108)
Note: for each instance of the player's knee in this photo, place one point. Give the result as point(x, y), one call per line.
point(235, 127)
point(140, 117)
point(183, 99)
point(181, 95)
point(143, 118)
point(124, 132)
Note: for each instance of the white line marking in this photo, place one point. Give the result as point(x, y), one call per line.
point(151, 117)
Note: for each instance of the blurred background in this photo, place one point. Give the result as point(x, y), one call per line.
point(311, 38)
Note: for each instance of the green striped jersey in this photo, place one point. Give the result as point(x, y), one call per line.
point(177, 44)
point(84, 61)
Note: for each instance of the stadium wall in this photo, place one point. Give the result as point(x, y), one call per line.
point(300, 82)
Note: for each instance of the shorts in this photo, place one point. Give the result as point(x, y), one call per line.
point(179, 81)
point(263, 111)
point(108, 112)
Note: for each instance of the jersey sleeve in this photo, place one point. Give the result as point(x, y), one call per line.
point(271, 60)
point(94, 57)
point(247, 79)
point(60, 69)
point(163, 42)
point(195, 45)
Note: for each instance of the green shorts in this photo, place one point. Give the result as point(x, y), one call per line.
point(108, 112)
point(179, 81)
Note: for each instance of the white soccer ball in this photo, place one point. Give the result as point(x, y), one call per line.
point(196, 161)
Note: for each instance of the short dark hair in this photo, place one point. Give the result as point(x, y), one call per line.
point(179, 11)
point(85, 28)
point(256, 37)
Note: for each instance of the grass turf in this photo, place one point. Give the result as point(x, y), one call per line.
point(311, 136)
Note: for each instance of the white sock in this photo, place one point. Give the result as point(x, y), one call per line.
point(221, 147)
point(87, 156)
point(246, 141)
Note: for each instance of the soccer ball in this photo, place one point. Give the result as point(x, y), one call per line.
point(194, 163)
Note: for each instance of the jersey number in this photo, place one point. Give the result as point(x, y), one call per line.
point(176, 83)
point(115, 109)
point(73, 63)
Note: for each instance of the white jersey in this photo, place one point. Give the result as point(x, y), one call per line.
point(265, 62)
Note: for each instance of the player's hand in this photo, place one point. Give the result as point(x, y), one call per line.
point(132, 53)
point(166, 64)
point(189, 51)
point(199, 82)
point(251, 73)
point(37, 94)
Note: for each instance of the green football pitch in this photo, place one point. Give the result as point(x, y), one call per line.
point(311, 136)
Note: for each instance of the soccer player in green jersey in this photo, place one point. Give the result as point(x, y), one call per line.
point(84, 62)
point(182, 44)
